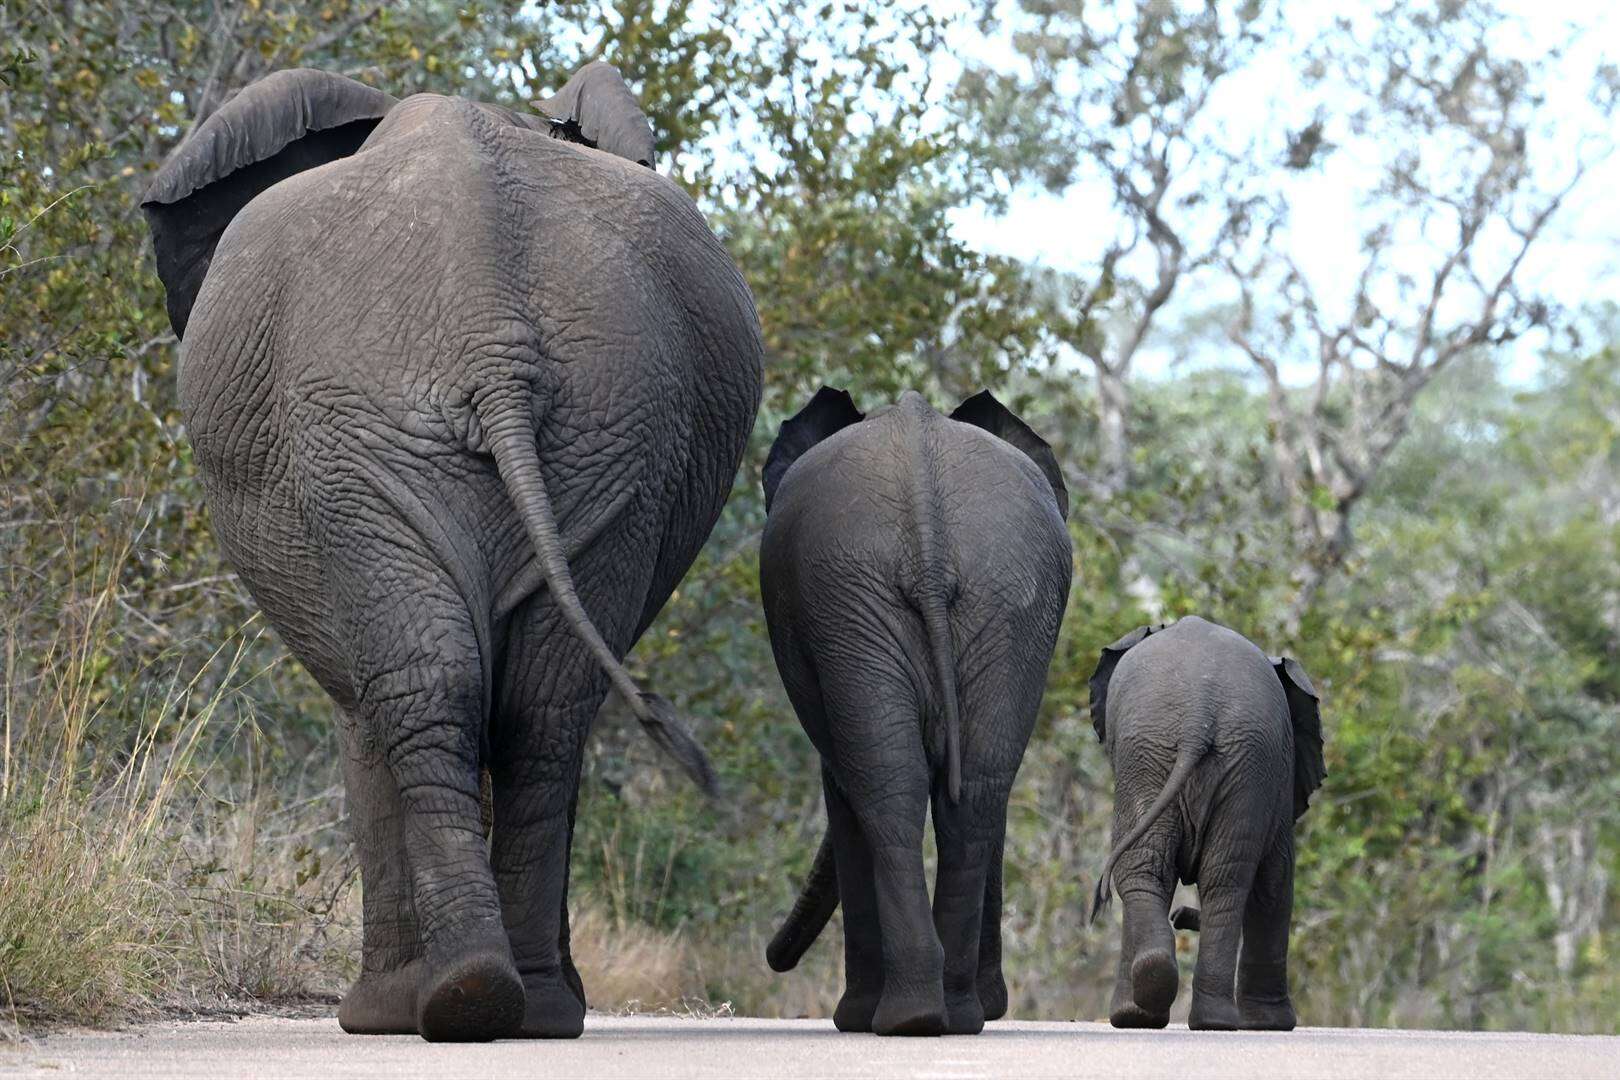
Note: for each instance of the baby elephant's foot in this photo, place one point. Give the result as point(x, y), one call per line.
point(551, 1010)
point(911, 1012)
point(472, 997)
point(1154, 981)
point(1128, 1014)
point(1266, 1015)
point(382, 1002)
point(1212, 1012)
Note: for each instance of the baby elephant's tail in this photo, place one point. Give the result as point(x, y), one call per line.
point(817, 901)
point(1186, 761)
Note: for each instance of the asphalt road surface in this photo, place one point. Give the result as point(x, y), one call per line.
point(666, 1047)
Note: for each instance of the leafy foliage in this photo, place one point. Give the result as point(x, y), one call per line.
point(1456, 868)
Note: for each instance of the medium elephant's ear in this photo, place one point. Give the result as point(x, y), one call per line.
point(982, 410)
point(1105, 671)
point(283, 124)
point(595, 108)
point(829, 411)
point(1305, 712)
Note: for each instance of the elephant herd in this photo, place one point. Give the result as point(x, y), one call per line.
point(468, 388)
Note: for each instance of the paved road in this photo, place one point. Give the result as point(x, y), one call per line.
point(665, 1049)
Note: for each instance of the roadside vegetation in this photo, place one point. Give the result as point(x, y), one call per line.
point(1344, 469)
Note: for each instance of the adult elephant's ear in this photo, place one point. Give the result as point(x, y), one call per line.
point(1305, 712)
point(597, 109)
point(283, 124)
point(982, 410)
point(1106, 663)
point(829, 411)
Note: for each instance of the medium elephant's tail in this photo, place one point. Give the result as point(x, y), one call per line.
point(1186, 761)
point(816, 904)
point(509, 430)
point(931, 592)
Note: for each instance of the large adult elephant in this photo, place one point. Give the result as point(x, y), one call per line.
point(467, 390)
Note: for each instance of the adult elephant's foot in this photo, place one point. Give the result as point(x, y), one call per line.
point(1212, 1012)
point(473, 997)
point(1266, 1015)
point(382, 1003)
point(552, 1010)
point(1154, 981)
point(964, 1014)
point(911, 1012)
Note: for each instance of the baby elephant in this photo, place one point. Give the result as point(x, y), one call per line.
point(915, 568)
point(1201, 723)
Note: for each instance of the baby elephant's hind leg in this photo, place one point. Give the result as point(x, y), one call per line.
point(1262, 982)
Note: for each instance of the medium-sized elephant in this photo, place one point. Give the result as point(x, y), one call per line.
point(915, 569)
point(1199, 721)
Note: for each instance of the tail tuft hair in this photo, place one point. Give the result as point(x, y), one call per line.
point(665, 727)
point(1101, 897)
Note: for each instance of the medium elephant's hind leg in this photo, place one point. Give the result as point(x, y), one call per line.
point(1262, 982)
point(890, 802)
point(863, 938)
point(992, 984)
point(383, 1000)
point(966, 836)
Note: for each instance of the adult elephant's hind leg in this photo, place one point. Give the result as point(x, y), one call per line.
point(1262, 982)
point(383, 999)
point(422, 697)
point(536, 746)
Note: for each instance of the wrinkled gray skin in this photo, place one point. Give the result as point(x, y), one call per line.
point(914, 570)
point(465, 404)
point(1216, 750)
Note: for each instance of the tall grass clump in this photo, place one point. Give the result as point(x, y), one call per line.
point(91, 790)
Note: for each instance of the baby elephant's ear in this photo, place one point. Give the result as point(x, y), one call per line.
point(1305, 711)
point(829, 411)
point(982, 410)
point(1105, 671)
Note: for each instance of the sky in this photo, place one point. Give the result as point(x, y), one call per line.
point(1577, 262)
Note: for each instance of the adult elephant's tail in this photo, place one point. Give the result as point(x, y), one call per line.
point(816, 903)
point(509, 431)
point(1187, 760)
